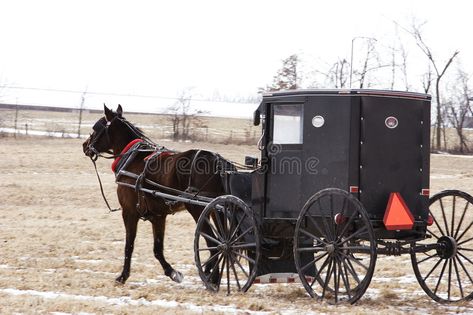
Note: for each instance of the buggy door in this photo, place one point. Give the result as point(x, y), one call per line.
point(284, 154)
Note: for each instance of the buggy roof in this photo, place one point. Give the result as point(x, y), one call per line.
point(285, 95)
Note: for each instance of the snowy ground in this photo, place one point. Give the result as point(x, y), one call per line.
point(61, 251)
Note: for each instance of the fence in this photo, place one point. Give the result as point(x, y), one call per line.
point(66, 125)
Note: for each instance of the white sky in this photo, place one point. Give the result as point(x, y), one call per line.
point(161, 47)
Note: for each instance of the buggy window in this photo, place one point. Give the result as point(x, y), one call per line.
point(287, 124)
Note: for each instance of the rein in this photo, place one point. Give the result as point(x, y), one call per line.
point(101, 186)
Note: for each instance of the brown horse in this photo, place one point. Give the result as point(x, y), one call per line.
point(195, 171)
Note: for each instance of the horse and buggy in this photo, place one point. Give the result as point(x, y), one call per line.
point(343, 177)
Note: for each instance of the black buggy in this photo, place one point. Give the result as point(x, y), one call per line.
point(343, 176)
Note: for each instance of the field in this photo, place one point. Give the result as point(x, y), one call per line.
point(60, 250)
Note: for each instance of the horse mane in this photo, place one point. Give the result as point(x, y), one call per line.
point(137, 131)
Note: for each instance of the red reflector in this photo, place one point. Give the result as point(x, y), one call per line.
point(339, 219)
point(430, 220)
point(397, 215)
point(425, 192)
point(354, 189)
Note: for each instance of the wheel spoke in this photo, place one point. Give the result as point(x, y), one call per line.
point(245, 257)
point(432, 270)
point(466, 258)
point(346, 282)
point(210, 238)
point(433, 234)
point(307, 233)
point(234, 271)
point(458, 277)
point(228, 275)
point(310, 249)
point(337, 279)
point(352, 270)
point(239, 264)
point(463, 242)
point(440, 277)
point(453, 216)
point(213, 228)
point(437, 224)
point(444, 217)
point(211, 258)
point(221, 271)
point(317, 274)
point(354, 260)
point(241, 235)
point(327, 276)
point(461, 220)
point(313, 261)
point(463, 233)
point(356, 233)
point(464, 269)
point(219, 224)
point(465, 249)
point(237, 228)
point(216, 267)
point(331, 221)
point(328, 231)
point(449, 284)
point(317, 226)
point(207, 248)
point(427, 258)
point(342, 213)
point(350, 220)
point(244, 246)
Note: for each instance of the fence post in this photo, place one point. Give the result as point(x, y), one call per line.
point(16, 119)
point(26, 128)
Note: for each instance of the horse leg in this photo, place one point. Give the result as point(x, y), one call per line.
point(159, 225)
point(131, 225)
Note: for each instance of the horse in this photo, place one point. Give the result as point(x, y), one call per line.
point(195, 171)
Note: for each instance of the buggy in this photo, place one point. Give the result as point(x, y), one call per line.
point(343, 176)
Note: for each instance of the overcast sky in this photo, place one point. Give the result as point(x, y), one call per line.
point(160, 47)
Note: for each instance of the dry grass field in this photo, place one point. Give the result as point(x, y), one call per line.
point(60, 250)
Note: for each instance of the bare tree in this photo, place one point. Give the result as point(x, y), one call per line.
point(338, 74)
point(184, 116)
point(439, 73)
point(286, 77)
point(459, 108)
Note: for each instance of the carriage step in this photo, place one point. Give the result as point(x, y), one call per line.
point(280, 278)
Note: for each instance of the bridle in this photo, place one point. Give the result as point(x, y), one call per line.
point(100, 128)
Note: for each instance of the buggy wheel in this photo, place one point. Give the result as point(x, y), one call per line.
point(227, 245)
point(443, 262)
point(334, 228)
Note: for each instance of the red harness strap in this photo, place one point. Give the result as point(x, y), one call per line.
point(128, 146)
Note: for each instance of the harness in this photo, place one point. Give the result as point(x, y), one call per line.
point(137, 147)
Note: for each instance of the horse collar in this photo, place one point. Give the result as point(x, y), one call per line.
point(124, 151)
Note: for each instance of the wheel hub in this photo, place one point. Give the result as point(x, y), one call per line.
point(330, 248)
point(223, 247)
point(447, 247)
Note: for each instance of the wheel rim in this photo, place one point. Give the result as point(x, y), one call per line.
point(344, 254)
point(226, 245)
point(446, 271)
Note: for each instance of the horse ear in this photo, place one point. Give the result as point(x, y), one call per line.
point(119, 110)
point(108, 113)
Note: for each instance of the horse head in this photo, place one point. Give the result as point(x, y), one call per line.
point(109, 134)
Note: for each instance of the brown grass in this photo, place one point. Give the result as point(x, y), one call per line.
point(57, 237)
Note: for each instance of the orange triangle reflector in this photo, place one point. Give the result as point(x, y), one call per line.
point(397, 215)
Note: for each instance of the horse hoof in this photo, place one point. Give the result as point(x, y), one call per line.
point(176, 276)
point(120, 280)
